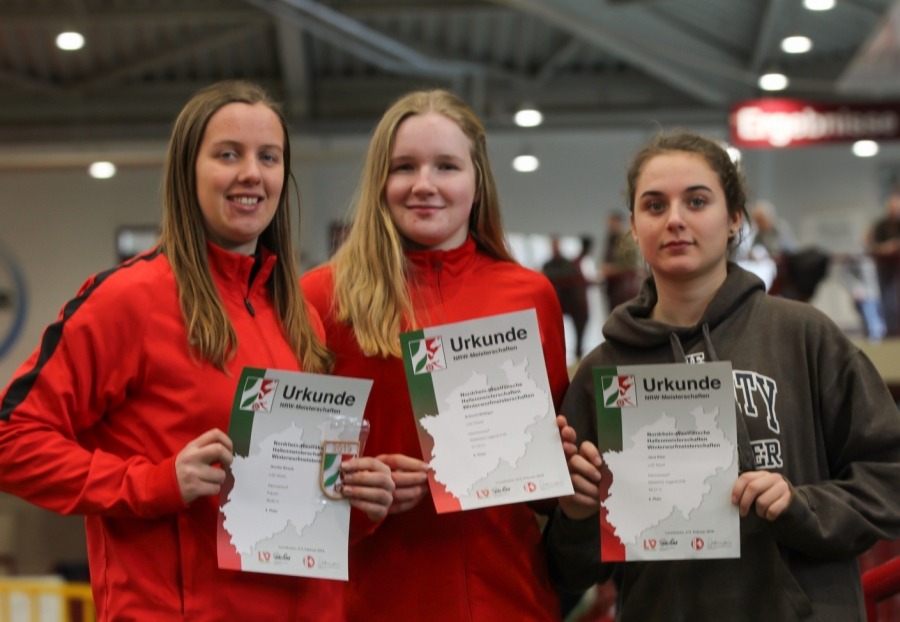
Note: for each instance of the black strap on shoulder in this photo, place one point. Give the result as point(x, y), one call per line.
point(22, 385)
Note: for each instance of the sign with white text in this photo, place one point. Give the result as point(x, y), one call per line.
point(779, 123)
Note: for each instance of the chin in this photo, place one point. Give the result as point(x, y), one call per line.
point(685, 270)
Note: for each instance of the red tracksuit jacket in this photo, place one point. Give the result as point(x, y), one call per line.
point(480, 565)
point(91, 424)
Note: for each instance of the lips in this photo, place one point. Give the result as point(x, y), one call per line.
point(677, 244)
point(245, 201)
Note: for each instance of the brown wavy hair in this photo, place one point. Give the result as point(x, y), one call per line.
point(371, 280)
point(183, 240)
point(730, 176)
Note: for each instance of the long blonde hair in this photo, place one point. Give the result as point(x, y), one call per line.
point(371, 282)
point(183, 240)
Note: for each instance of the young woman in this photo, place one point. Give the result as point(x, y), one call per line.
point(427, 248)
point(819, 435)
point(119, 413)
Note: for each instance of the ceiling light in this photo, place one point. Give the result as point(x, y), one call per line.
point(818, 5)
point(865, 148)
point(102, 170)
point(773, 82)
point(796, 45)
point(526, 163)
point(529, 117)
point(69, 41)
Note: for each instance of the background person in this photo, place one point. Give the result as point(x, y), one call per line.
point(770, 232)
point(884, 244)
point(621, 272)
point(426, 248)
point(119, 413)
point(571, 289)
point(819, 457)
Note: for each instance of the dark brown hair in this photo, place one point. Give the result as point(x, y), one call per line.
point(730, 176)
point(183, 239)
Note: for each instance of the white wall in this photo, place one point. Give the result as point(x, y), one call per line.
point(61, 223)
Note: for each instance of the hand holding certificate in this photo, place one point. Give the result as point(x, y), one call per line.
point(668, 438)
point(484, 412)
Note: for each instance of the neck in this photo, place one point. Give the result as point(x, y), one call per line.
point(682, 303)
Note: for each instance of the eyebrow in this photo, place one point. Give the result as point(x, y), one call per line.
point(237, 143)
point(656, 193)
point(443, 156)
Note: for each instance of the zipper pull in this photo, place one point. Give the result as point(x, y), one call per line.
point(249, 307)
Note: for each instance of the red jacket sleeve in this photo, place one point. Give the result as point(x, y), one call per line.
point(87, 364)
point(553, 339)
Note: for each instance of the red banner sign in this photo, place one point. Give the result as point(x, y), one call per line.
point(778, 123)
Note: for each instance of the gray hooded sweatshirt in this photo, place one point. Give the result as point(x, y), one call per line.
point(811, 407)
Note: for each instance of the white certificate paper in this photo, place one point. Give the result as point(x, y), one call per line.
point(280, 508)
point(668, 438)
point(484, 412)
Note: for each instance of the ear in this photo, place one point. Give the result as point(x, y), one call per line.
point(734, 223)
point(633, 230)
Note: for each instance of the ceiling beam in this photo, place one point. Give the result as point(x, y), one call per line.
point(867, 9)
point(296, 72)
point(25, 82)
point(170, 16)
point(110, 78)
point(361, 41)
point(356, 38)
point(768, 30)
point(626, 32)
point(561, 56)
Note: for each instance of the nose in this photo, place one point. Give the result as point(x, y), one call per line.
point(249, 172)
point(423, 184)
point(676, 215)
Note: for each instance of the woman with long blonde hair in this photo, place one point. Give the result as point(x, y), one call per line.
point(118, 415)
point(427, 247)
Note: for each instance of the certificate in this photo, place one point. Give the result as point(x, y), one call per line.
point(668, 438)
point(484, 412)
point(280, 508)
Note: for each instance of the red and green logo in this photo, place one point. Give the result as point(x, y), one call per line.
point(258, 394)
point(427, 355)
point(334, 453)
point(619, 392)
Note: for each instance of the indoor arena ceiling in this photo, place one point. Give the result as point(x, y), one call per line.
point(338, 63)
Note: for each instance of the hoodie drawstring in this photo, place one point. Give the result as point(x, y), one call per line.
point(746, 459)
point(708, 341)
point(678, 349)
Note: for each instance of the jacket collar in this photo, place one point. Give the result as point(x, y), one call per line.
point(451, 263)
point(234, 270)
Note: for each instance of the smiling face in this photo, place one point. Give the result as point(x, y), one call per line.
point(681, 221)
point(240, 174)
point(431, 182)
